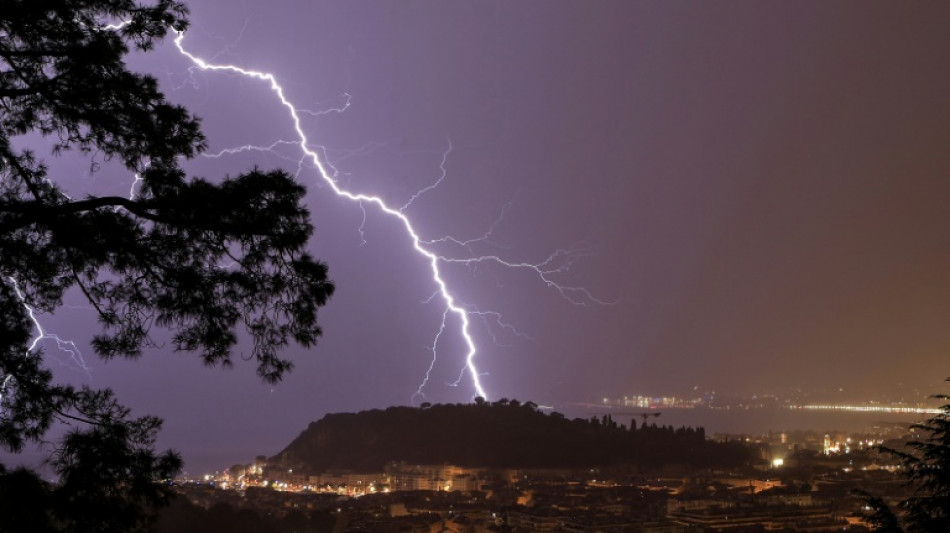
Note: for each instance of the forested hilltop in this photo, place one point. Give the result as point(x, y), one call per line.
point(505, 434)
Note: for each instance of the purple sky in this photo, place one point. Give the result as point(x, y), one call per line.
point(762, 188)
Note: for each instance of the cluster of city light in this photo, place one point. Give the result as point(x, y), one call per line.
point(659, 401)
point(289, 486)
point(871, 409)
point(648, 402)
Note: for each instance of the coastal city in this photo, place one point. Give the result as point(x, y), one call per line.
point(801, 481)
point(916, 405)
point(466, 267)
point(791, 481)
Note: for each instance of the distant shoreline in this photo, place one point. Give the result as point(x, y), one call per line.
point(754, 420)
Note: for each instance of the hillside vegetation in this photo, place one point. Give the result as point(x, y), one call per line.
point(501, 434)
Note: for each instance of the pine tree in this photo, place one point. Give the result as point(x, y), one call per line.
point(926, 466)
point(153, 259)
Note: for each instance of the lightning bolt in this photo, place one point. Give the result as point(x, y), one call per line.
point(558, 262)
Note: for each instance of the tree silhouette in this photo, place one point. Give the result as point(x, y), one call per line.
point(196, 257)
point(493, 435)
point(926, 466)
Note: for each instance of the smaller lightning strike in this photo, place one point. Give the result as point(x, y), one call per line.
point(68, 346)
point(270, 148)
point(557, 262)
point(485, 237)
point(137, 178)
point(362, 228)
point(366, 149)
point(347, 98)
point(497, 317)
point(435, 357)
point(499, 321)
point(436, 183)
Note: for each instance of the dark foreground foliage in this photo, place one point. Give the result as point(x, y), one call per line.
point(196, 257)
point(926, 466)
point(503, 434)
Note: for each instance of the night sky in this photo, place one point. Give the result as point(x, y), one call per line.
point(759, 193)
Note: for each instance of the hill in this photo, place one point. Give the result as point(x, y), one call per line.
point(501, 434)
